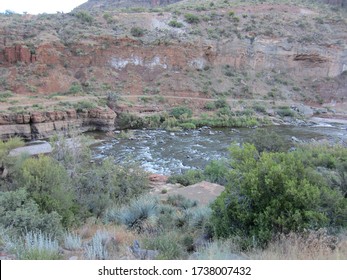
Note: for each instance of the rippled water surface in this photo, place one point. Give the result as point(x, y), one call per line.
point(164, 152)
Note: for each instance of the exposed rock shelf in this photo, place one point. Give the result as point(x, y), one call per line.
point(40, 125)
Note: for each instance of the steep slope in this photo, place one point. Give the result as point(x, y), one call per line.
point(191, 53)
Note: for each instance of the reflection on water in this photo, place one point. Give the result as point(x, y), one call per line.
point(164, 152)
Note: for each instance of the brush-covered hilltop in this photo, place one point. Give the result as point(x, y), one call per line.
point(130, 62)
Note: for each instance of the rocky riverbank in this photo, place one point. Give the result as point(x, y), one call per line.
point(41, 125)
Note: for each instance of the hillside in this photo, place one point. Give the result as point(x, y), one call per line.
point(93, 5)
point(191, 53)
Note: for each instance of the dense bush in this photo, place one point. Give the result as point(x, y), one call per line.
point(191, 18)
point(47, 183)
point(107, 184)
point(190, 177)
point(181, 112)
point(269, 141)
point(137, 31)
point(285, 111)
point(20, 214)
point(272, 193)
point(85, 17)
point(217, 172)
point(175, 23)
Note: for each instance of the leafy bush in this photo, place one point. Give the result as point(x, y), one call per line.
point(285, 112)
point(259, 108)
point(126, 120)
point(269, 141)
point(179, 112)
point(175, 23)
point(84, 105)
point(19, 213)
point(221, 103)
point(137, 31)
point(272, 193)
point(75, 88)
point(190, 177)
point(84, 16)
point(217, 172)
point(107, 184)
point(210, 106)
point(191, 18)
point(168, 244)
point(47, 183)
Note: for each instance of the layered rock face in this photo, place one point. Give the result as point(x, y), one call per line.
point(40, 125)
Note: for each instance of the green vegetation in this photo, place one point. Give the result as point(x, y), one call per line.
point(176, 24)
point(270, 195)
point(4, 96)
point(191, 18)
point(273, 193)
point(84, 105)
point(181, 112)
point(137, 31)
point(84, 17)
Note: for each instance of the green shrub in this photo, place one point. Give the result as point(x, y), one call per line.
point(216, 172)
point(168, 244)
point(107, 184)
point(221, 103)
point(271, 193)
point(47, 183)
point(190, 177)
point(259, 108)
point(20, 214)
point(83, 105)
point(85, 17)
point(285, 112)
point(269, 141)
point(175, 23)
point(210, 106)
point(126, 120)
point(191, 18)
point(180, 112)
point(137, 31)
point(75, 88)
point(187, 126)
point(180, 201)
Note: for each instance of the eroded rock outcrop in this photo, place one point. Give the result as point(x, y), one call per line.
point(39, 125)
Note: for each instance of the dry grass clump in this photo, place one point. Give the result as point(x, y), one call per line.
point(311, 245)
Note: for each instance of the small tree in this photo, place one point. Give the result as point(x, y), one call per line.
point(47, 183)
point(272, 193)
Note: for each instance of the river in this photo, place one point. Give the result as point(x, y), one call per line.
point(164, 152)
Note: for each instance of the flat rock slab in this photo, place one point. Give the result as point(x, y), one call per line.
point(33, 150)
point(203, 192)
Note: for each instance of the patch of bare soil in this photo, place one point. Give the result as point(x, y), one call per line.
point(204, 192)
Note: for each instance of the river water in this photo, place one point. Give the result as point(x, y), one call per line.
point(164, 152)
